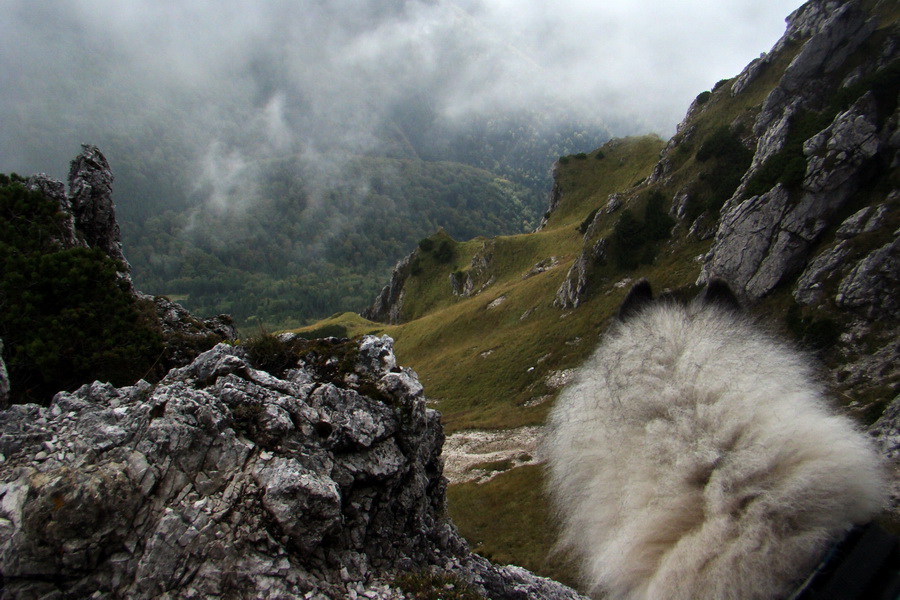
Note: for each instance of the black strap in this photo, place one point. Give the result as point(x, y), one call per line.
point(864, 566)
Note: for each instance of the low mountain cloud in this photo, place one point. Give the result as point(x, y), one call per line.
point(199, 80)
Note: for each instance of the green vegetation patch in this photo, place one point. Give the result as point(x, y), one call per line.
point(729, 159)
point(67, 317)
point(635, 241)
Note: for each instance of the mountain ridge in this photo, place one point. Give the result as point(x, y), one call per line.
point(803, 145)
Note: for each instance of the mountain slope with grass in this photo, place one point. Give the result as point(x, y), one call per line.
point(784, 180)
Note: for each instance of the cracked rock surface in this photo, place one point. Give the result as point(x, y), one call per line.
point(228, 481)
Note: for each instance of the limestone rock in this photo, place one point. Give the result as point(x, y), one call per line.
point(835, 155)
point(810, 288)
point(764, 240)
point(478, 277)
point(573, 290)
point(841, 32)
point(226, 480)
point(90, 193)
point(185, 334)
point(871, 285)
point(556, 195)
point(388, 305)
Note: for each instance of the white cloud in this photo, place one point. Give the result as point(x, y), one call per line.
point(279, 76)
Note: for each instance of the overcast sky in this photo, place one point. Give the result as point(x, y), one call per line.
point(211, 77)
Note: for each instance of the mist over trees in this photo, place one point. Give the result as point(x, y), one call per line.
point(233, 129)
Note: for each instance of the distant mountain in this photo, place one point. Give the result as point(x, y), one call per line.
point(784, 180)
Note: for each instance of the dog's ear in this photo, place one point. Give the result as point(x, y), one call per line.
point(718, 292)
point(639, 296)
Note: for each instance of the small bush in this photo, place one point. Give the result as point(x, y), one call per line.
point(730, 159)
point(581, 156)
point(628, 234)
point(66, 315)
point(634, 240)
point(599, 155)
point(444, 252)
point(582, 229)
point(267, 353)
point(426, 244)
point(657, 223)
point(703, 98)
point(815, 334)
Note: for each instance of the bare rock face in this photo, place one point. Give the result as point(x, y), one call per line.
point(389, 303)
point(556, 195)
point(224, 480)
point(186, 335)
point(90, 192)
point(573, 290)
point(478, 277)
point(763, 240)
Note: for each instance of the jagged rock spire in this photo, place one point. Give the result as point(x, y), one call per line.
point(90, 193)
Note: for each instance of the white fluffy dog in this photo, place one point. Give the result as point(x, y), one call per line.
point(694, 457)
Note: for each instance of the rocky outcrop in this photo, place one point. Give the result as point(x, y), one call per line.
point(886, 431)
point(186, 335)
point(556, 195)
point(765, 239)
point(388, 306)
point(857, 276)
point(56, 190)
point(574, 288)
point(90, 194)
point(478, 276)
point(88, 220)
point(224, 480)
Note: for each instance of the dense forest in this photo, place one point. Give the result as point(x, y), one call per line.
point(290, 253)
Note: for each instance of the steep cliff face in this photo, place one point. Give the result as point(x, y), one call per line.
point(770, 225)
point(224, 480)
point(809, 134)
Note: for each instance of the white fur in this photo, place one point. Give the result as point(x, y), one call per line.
point(693, 457)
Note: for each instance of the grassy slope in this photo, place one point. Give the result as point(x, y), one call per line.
point(447, 339)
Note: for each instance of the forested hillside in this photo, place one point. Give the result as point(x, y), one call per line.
point(286, 253)
point(283, 240)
